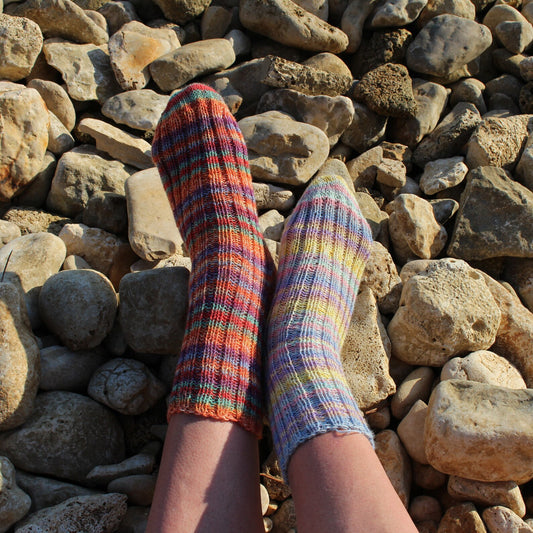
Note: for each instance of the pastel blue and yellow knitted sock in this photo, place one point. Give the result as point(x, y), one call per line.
point(323, 254)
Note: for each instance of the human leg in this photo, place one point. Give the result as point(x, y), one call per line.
point(321, 438)
point(202, 159)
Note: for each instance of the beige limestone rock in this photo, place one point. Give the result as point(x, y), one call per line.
point(268, 196)
point(498, 142)
point(62, 18)
point(506, 493)
point(79, 306)
point(485, 367)
point(413, 229)
point(377, 219)
point(19, 360)
point(366, 130)
point(200, 58)
point(152, 230)
point(105, 252)
point(59, 138)
point(381, 276)
point(416, 386)
point(85, 68)
point(215, 22)
point(514, 338)
point(8, 231)
point(500, 519)
point(282, 150)
point(444, 311)
point(134, 47)
point(271, 224)
point(396, 463)
point(424, 508)
point(442, 174)
point(494, 424)
point(328, 62)
point(21, 41)
point(125, 147)
point(519, 273)
point(23, 137)
point(411, 432)
point(353, 21)
point(363, 169)
point(460, 518)
point(91, 514)
point(34, 258)
point(287, 23)
point(426, 477)
point(391, 172)
point(365, 354)
point(14, 502)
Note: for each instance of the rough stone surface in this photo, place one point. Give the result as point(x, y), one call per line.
point(366, 130)
point(21, 41)
point(182, 11)
point(442, 174)
point(151, 316)
point(486, 367)
point(428, 330)
point(282, 150)
point(387, 90)
point(365, 354)
point(269, 196)
point(92, 514)
point(79, 306)
point(502, 227)
point(462, 517)
point(494, 423)
point(66, 436)
point(500, 519)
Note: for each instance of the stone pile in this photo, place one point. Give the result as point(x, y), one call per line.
point(425, 107)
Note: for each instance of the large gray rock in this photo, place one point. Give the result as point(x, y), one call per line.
point(332, 114)
point(79, 174)
point(366, 130)
point(66, 436)
point(182, 65)
point(427, 330)
point(397, 13)
point(34, 258)
point(21, 41)
point(495, 217)
point(353, 21)
point(139, 109)
point(19, 360)
point(85, 68)
point(99, 513)
point(152, 230)
point(64, 369)
point(14, 502)
point(466, 418)
point(287, 23)
point(283, 150)
point(78, 306)
point(447, 43)
point(152, 316)
point(365, 354)
point(134, 47)
point(23, 137)
point(62, 18)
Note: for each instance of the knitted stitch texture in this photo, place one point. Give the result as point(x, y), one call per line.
point(202, 159)
point(323, 252)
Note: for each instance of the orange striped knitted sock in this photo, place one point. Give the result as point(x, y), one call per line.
point(202, 159)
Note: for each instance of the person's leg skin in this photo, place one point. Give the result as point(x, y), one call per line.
point(209, 468)
point(321, 439)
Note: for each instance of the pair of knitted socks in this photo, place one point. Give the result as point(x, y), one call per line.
point(202, 159)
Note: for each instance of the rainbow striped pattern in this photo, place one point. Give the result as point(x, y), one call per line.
point(323, 253)
point(203, 162)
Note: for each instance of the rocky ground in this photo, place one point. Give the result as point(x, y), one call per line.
point(424, 106)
